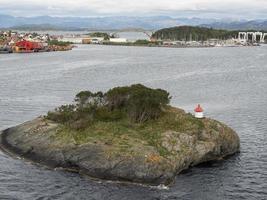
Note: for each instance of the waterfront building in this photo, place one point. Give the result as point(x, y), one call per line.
point(27, 46)
point(118, 40)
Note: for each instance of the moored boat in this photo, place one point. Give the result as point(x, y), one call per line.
point(5, 50)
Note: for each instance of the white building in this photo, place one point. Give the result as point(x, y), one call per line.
point(97, 40)
point(74, 40)
point(118, 40)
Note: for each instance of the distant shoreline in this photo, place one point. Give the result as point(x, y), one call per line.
point(171, 46)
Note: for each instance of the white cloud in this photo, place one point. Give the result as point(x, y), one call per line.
point(135, 7)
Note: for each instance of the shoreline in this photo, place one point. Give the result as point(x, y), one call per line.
point(16, 153)
point(53, 48)
point(133, 45)
point(37, 148)
point(173, 46)
point(7, 149)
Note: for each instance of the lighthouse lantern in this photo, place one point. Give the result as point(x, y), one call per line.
point(199, 112)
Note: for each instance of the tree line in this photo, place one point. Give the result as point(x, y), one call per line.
point(190, 33)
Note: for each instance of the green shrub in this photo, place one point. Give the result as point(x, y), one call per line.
point(59, 43)
point(136, 102)
point(117, 97)
point(145, 103)
point(146, 43)
point(87, 99)
point(106, 36)
point(105, 114)
point(142, 42)
point(62, 114)
point(140, 103)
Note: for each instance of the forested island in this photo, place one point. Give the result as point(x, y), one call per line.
point(128, 134)
point(189, 33)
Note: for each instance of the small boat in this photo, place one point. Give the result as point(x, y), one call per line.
point(5, 50)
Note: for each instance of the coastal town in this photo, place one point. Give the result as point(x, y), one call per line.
point(176, 37)
point(15, 42)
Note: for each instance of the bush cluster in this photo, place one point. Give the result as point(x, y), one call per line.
point(106, 36)
point(146, 43)
point(59, 43)
point(136, 102)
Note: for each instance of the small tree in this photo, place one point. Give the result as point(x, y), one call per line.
point(82, 98)
point(117, 97)
point(146, 103)
point(62, 114)
point(140, 103)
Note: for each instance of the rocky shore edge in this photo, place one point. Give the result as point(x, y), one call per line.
point(35, 141)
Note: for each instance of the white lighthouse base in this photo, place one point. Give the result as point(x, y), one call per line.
point(199, 115)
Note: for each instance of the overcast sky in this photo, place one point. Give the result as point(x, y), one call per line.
point(239, 9)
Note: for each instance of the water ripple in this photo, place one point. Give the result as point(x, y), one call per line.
point(229, 82)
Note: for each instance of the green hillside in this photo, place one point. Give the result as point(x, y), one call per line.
point(188, 33)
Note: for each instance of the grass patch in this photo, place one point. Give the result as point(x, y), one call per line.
point(124, 134)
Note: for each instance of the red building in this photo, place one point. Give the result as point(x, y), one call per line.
point(25, 45)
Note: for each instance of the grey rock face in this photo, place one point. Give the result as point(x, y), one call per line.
point(35, 140)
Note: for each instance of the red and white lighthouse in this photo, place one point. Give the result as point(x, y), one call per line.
point(199, 112)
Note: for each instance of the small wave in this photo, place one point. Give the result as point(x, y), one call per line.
point(162, 187)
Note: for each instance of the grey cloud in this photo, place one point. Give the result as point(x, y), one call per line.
point(192, 8)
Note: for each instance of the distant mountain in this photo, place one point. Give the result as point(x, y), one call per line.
point(247, 25)
point(98, 23)
point(43, 27)
point(121, 22)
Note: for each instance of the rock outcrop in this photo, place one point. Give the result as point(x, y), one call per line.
point(36, 140)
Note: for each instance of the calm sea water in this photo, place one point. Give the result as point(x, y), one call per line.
point(230, 83)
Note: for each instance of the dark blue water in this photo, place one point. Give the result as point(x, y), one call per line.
point(230, 83)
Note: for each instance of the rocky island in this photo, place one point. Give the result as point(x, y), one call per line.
point(126, 134)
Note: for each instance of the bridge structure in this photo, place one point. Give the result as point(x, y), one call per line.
point(147, 33)
point(258, 37)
